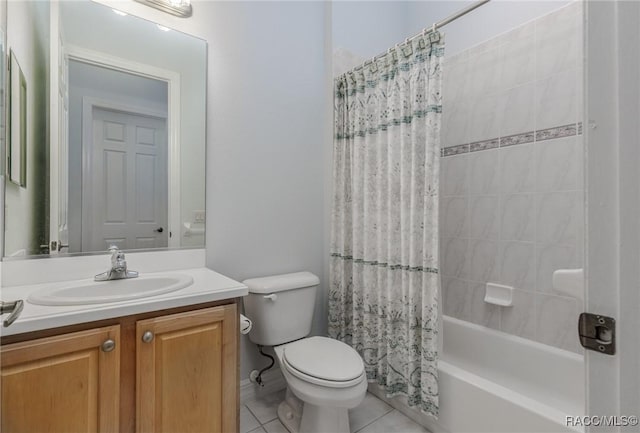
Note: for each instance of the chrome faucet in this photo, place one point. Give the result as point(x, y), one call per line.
point(118, 269)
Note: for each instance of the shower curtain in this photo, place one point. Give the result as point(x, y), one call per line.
point(384, 285)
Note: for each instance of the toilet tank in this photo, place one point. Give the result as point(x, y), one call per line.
point(281, 307)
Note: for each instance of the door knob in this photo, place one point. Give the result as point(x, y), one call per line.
point(159, 230)
point(54, 246)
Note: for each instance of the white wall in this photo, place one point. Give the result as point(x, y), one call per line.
point(265, 169)
point(266, 138)
point(367, 27)
point(25, 223)
point(363, 29)
point(85, 24)
point(488, 21)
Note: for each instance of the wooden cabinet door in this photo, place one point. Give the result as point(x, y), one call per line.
point(66, 383)
point(187, 372)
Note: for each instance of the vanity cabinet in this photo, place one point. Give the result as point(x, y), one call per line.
point(64, 383)
point(169, 371)
point(182, 379)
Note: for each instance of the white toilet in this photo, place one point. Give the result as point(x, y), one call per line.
point(325, 377)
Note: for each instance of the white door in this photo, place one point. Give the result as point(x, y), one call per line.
point(127, 181)
point(613, 207)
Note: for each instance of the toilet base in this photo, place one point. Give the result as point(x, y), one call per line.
point(290, 412)
point(300, 417)
point(324, 419)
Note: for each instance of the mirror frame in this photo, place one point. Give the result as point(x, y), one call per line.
point(17, 131)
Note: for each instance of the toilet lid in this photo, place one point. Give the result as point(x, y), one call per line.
point(324, 358)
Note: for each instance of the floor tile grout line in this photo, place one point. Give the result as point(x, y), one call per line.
point(262, 428)
point(258, 419)
point(376, 419)
point(270, 421)
point(252, 414)
point(254, 417)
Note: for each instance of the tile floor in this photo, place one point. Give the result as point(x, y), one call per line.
point(258, 415)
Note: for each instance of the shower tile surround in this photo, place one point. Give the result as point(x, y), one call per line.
point(512, 190)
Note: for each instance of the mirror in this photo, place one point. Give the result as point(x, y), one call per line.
point(115, 132)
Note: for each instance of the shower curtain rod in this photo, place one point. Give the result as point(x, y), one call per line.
point(427, 30)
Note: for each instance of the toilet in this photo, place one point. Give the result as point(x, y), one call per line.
point(325, 377)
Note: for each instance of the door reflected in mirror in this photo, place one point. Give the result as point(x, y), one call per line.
point(124, 161)
point(118, 128)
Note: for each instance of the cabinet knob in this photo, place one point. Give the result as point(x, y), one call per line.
point(108, 345)
point(147, 337)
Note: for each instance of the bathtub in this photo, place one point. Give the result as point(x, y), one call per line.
point(490, 381)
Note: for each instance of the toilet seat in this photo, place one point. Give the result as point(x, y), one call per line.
point(323, 361)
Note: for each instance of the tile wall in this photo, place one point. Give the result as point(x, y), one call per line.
point(512, 193)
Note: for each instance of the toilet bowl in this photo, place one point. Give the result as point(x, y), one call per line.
point(325, 378)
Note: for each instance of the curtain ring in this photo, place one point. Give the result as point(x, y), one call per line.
point(434, 36)
point(407, 50)
point(373, 67)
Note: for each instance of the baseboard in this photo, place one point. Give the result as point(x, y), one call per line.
point(273, 381)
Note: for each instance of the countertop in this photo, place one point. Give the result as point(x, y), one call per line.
point(208, 286)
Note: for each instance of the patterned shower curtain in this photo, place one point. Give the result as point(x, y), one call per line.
point(384, 283)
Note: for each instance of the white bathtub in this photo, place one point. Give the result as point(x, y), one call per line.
point(490, 381)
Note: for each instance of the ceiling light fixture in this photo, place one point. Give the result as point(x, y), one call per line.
point(163, 28)
point(179, 8)
point(122, 14)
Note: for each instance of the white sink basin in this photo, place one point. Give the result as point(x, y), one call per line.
point(103, 292)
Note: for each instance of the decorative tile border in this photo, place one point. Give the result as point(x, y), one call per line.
point(484, 145)
point(455, 150)
point(558, 132)
point(513, 140)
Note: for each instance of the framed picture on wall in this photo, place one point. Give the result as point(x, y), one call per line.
point(17, 149)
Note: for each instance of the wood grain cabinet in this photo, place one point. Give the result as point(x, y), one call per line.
point(66, 383)
point(182, 372)
point(175, 372)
